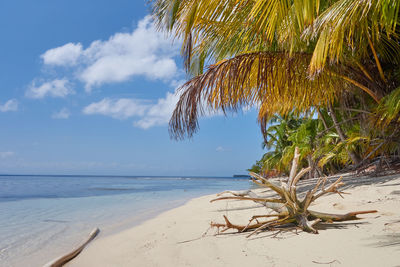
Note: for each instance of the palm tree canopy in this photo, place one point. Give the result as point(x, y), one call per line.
point(280, 55)
point(220, 29)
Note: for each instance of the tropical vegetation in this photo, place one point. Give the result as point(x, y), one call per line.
point(323, 74)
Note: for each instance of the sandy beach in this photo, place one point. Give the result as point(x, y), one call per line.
point(182, 237)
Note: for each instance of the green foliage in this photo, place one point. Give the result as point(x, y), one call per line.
point(389, 108)
point(291, 59)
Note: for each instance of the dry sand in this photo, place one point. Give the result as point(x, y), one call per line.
point(175, 238)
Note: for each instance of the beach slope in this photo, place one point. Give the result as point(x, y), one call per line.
point(181, 237)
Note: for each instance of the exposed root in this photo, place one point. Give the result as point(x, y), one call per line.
point(250, 198)
point(306, 225)
point(241, 228)
point(270, 224)
point(329, 217)
point(235, 193)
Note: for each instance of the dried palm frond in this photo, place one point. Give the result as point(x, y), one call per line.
point(274, 81)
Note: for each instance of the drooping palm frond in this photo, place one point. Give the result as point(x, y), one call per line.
point(216, 29)
point(332, 30)
point(204, 25)
point(276, 82)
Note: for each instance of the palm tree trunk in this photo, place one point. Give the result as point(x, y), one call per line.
point(322, 119)
point(354, 157)
point(312, 165)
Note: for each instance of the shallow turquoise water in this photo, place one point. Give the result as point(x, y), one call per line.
point(42, 217)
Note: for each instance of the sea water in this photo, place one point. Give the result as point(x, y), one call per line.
point(43, 217)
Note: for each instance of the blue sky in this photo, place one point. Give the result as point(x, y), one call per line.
point(87, 87)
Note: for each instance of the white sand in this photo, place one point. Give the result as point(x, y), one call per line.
point(372, 241)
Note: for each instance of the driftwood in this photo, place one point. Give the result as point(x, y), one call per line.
point(59, 262)
point(290, 210)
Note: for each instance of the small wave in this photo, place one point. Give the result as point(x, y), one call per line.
point(111, 189)
point(168, 178)
point(56, 221)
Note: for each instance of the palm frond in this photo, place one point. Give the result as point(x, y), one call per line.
point(355, 27)
point(223, 29)
point(389, 108)
point(277, 82)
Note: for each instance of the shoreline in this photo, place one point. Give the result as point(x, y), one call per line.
point(37, 229)
point(68, 236)
point(176, 237)
point(141, 218)
point(126, 224)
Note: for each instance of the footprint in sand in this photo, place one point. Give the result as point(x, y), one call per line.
point(393, 226)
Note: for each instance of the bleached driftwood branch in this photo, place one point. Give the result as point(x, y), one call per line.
point(288, 207)
point(59, 262)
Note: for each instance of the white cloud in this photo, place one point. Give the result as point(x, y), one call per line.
point(148, 114)
point(117, 108)
point(54, 88)
point(62, 114)
point(10, 105)
point(159, 113)
point(66, 55)
point(222, 149)
point(6, 154)
point(144, 51)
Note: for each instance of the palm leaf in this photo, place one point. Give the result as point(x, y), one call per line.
point(355, 27)
point(277, 82)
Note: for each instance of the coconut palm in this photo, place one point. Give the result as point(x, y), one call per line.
point(289, 56)
point(284, 56)
point(277, 140)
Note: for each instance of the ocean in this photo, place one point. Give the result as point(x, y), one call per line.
point(43, 217)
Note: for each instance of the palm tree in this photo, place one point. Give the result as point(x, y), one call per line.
point(290, 56)
point(284, 56)
point(276, 139)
